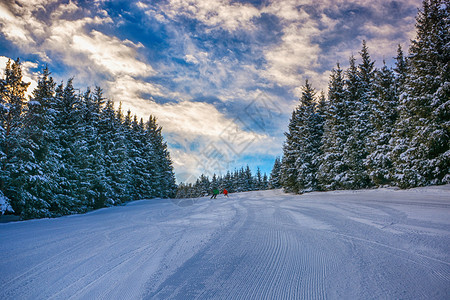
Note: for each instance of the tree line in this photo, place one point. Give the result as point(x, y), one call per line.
point(63, 152)
point(241, 180)
point(387, 126)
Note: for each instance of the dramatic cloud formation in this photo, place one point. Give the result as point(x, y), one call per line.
point(221, 76)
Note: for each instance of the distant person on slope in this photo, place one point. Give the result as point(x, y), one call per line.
point(215, 193)
point(225, 192)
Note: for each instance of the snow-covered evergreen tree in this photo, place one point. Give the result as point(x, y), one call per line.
point(108, 129)
point(309, 131)
point(90, 164)
point(422, 153)
point(332, 173)
point(400, 70)
point(289, 173)
point(13, 167)
point(70, 193)
point(227, 182)
point(259, 180)
point(383, 116)
point(249, 182)
point(39, 159)
point(274, 181)
point(164, 167)
point(265, 182)
point(357, 87)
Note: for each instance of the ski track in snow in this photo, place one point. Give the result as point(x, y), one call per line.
point(372, 244)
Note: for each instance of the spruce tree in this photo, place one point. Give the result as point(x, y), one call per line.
point(289, 173)
point(383, 117)
point(114, 153)
point(13, 167)
point(423, 133)
point(70, 192)
point(400, 70)
point(265, 182)
point(258, 180)
point(88, 148)
point(164, 165)
point(249, 183)
point(309, 130)
point(358, 85)
point(332, 173)
point(274, 181)
point(40, 159)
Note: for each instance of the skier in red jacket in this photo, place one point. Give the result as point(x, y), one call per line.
point(225, 192)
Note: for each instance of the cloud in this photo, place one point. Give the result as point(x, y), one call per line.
point(294, 55)
point(109, 54)
point(297, 56)
point(14, 28)
point(299, 53)
point(222, 14)
point(64, 34)
point(317, 34)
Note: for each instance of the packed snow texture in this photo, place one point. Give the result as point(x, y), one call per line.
point(372, 244)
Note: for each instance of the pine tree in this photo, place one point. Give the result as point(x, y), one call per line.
point(423, 133)
point(358, 88)
point(203, 186)
point(88, 150)
point(13, 168)
point(363, 126)
point(332, 173)
point(383, 116)
point(143, 162)
point(400, 70)
point(248, 182)
point(70, 191)
point(289, 173)
point(265, 182)
point(309, 130)
point(114, 154)
point(258, 180)
point(164, 165)
point(274, 181)
point(40, 160)
point(101, 185)
point(321, 106)
point(215, 182)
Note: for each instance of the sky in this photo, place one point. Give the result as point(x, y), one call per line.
point(222, 77)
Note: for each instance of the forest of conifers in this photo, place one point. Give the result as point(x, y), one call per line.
point(377, 126)
point(62, 152)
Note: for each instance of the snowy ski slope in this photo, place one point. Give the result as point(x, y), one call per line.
point(372, 244)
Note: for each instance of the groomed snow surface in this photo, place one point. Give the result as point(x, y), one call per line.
point(372, 244)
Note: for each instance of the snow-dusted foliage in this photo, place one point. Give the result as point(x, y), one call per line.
point(303, 141)
point(63, 152)
point(274, 181)
point(422, 154)
point(380, 126)
point(383, 115)
point(332, 169)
